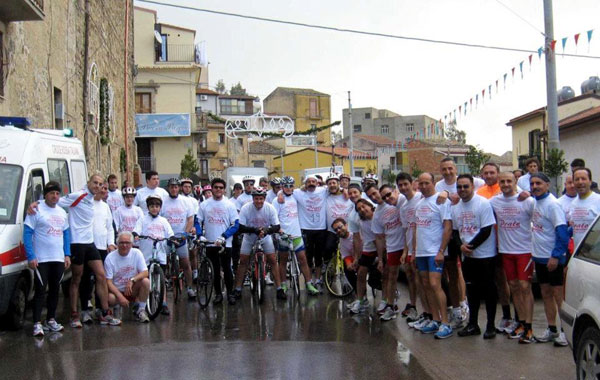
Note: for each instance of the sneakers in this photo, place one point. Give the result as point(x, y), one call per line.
point(388, 314)
point(464, 312)
point(360, 306)
point(237, 293)
point(407, 310)
point(381, 307)
point(503, 325)
point(419, 325)
point(86, 317)
point(195, 276)
point(284, 287)
point(109, 319)
point(319, 286)
point(38, 330)
point(548, 336)
point(419, 319)
point(268, 280)
point(142, 316)
point(445, 331)
point(561, 340)
point(431, 327)
point(281, 294)
point(527, 337)
point(52, 326)
point(517, 333)
point(75, 322)
point(165, 309)
point(469, 330)
point(310, 288)
point(490, 333)
point(247, 280)
point(191, 293)
point(351, 304)
point(412, 315)
point(455, 319)
point(512, 327)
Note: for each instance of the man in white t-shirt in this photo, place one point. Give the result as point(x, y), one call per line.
point(127, 277)
point(275, 187)
point(115, 199)
point(586, 207)
point(151, 188)
point(532, 165)
point(180, 214)
point(46, 238)
point(258, 220)
point(220, 222)
point(514, 244)
point(550, 244)
point(473, 220)
point(126, 216)
point(340, 226)
point(246, 196)
point(433, 232)
point(448, 183)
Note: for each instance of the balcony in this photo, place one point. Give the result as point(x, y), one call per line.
point(208, 148)
point(147, 163)
point(21, 10)
point(176, 53)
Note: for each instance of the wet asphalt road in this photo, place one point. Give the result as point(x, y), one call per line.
point(309, 338)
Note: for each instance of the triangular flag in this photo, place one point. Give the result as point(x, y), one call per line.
point(496, 86)
point(471, 103)
point(564, 43)
point(589, 34)
point(540, 50)
point(553, 45)
point(513, 72)
point(483, 95)
point(505, 75)
point(530, 57)
point(490, 90)
point(577, 38)
point(465, 108)
point(521, 68)
point(476, 100)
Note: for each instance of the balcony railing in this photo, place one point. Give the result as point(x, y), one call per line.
point(147, 163)
point(21, 10)
point(177, 53)
point(209, 147)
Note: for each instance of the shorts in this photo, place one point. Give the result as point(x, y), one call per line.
point(393, 258)
point(348, 260)
point(428, 264)
point(183, 252)
point(367, 259)
point(82, 253)
point(554, 278)
point(248, 242)
point(297, 242)
point(517, 266)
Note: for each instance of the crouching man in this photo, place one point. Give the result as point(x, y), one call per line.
point(127, 277)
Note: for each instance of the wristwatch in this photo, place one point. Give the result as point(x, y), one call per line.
point(132, 279)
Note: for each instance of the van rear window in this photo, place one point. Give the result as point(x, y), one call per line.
point(58, 171)
point(9, 192)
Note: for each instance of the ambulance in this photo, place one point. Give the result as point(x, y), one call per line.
point(28, 159)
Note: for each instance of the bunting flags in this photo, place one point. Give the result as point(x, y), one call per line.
point(521, 68)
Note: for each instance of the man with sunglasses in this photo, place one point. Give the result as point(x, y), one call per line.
point(275, 187)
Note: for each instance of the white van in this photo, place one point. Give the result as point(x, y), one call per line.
point(235, 175)
point(28, 159)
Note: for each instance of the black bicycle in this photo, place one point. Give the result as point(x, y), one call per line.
point(206, 275)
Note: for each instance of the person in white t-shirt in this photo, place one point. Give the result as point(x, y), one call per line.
point(115, 198)
point(180, 214)
point(448, 183)
point(246, 196)
point(532, 165)
point(46, 239)
point(433, 232)
point(187, 192)
point(514, 244)
point(258, 220)
point(127, 277)
point(151, 188)
point(340, 226)
point(473, 220)
point(569, 195)
point(220, 222)
point(550, 244)
point(586, 207)
point(126, 216)
point(275, 187)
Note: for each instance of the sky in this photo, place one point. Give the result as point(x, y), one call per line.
point(407, 77)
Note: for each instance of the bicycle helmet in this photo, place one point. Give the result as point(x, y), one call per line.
point(128, 191)
point(370, 177)
point(206, 188)
point(259, 191)
point(275, 181)
point(174, 181)
point(287, 180)
point(197, 189)
point(248, 178)
point(344, 175)
point(332, 176)
point(152, 199)
point(187, 180)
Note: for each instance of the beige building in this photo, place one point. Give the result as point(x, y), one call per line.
point(62, 69)
point(168, 74)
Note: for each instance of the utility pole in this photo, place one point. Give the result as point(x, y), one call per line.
point(552, 99)
point(316, 154)
point(351, 137)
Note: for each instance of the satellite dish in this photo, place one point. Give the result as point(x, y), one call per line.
point(158, 37)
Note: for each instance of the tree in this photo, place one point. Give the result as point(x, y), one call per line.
point(238, 90)
point(390, 178)
point(475, 158)
point(371, 169)
point(220, 87)
point(415, 170)
point(189, 165)
point(454, 134)
point(555, 166)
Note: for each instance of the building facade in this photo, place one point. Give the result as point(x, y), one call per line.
point(69, 64)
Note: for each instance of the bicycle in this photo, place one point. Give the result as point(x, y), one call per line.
point(335, 277)
point(204, 283)
point(175, 273)
point(257, 265)
point(293, 268)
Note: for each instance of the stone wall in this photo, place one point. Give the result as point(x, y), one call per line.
point(47, 58)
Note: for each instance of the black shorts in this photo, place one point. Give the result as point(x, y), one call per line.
point(367, 260)
point(554, 278)
point(454, 252)
point(82, 253)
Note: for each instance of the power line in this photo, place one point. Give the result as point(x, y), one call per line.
point(522, 18)
point(354, 31)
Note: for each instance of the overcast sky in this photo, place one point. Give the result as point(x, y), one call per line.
point(407, 77)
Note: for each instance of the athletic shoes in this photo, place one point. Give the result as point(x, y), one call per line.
point(191, 293)
point(548, 336)
point(490, 333)
point(512, 327)
point(108, 319)
point(381, 307)
point(431, 327)
point(412, 315)
point(464, 312)
point(75, 322)
point(527, 337)
point(165, 309)
point(561, 340)
point(319, 286)
point(310, 288)
point(360, 306)
point(268, 280)
point(351, 304)
point(407, 310)
point(469, 330)
point(517, 333)
point(142, 316)
point(503, 325)
point(456, 321)
point(419, 320)
point(445, 331)
point(388, 314)
point(52, 326)
point(237, 293)
point(38, 330)
point(86, 317)
point(284, 287)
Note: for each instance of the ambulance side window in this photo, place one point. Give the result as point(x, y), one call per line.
point(35, 188)
point(78, 174)
point(58, 171)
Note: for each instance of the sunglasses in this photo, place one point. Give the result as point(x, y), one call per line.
point(218, 187)
point(461, 187)
point(385, 196)
point(288, 186)
point(337, 228)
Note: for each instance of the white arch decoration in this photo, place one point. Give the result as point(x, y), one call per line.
point(259, 123)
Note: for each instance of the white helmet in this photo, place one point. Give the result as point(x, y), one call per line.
point(248, 178)
point(332, 176)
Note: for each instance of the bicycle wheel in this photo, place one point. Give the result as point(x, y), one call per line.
point(174, 275)
point(260, 289)
point(335, 279)
point(204, 285)
point(295, 275)
point(157, 286)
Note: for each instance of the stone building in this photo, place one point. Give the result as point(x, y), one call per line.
point(69, 64)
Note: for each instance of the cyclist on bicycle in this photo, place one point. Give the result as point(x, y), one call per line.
point(221, 222)
point(257, 221)
point(180, 216)
point(156, 227)
point(290, 225)
point(126, 216)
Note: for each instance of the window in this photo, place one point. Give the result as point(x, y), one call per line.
point(163, 48)
point(589, 248)
point(301, 140)
point(78, 174)
point(357, 128)
point(58, 171)
point(142, 102)
point(203, 168)
point(233, 107)
point(9, 192)
point(1, 64)
point(368, 115)
point(259, 163)
point(410, 127)
point(358, 172)
point(385, 129)
point(314, 108)
point(35, 188)
point(221, 138)
point(535, 143)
